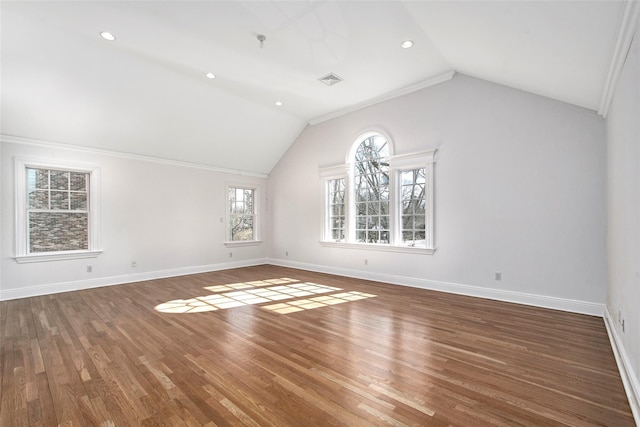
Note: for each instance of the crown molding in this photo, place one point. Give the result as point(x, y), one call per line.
point(440, 78)
point(10, 139)
point(626, 30)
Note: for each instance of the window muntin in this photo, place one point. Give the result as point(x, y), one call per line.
point(242, 214)
point(337, 212)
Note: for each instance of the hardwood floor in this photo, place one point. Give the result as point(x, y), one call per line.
point(284, 347)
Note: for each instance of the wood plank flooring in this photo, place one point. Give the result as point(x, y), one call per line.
point(271, 346)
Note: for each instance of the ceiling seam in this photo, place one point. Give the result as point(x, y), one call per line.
point(626, 30)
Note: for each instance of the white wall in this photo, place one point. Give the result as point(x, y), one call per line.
point(165, 217)
point(623, 208)
point(519, 188)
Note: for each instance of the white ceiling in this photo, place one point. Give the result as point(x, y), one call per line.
point(146, 93)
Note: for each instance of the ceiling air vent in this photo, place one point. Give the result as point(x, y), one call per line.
point(330, 79)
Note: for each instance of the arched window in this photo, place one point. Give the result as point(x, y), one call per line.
point(379, 200)
point(371, 189)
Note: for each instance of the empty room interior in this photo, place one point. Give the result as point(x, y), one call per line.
point(320, 213)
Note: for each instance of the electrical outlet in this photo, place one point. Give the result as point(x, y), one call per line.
point(89, 268)
point(366, 262)
point(134, 263)
point(230, 254)
point(498, 275)
point(286, 253)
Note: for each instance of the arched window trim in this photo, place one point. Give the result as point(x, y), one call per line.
point(351, 154)
point(397, 164)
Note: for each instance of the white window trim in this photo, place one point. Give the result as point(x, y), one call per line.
point(256, 213)
point(397, 164)
point(22, 254)
point(328, 174)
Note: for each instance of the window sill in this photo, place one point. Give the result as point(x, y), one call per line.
point(56, 256)
point(240, 243)
point(374, 247)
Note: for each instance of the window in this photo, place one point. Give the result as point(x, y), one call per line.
point(378, 200)
point(57, 212)
point(337, 209)
point(413, 203)
point(242, 210)
point(371, 181)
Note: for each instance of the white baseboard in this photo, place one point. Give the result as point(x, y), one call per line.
point(629, 377)
point(55, 288)
point(563, 304)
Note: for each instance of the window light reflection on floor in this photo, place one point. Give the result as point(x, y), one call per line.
point(262, 291)
point(310, 303)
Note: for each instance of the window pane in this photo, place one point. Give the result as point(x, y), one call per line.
point(384, 222)
point(38, 199)
point(241, 228)
point(384, 208)
point(59, 180)
point(78, 181)
point(59, 200)
point(58, 231)
point(37, 178)
point(78, 201)
point(337, 234)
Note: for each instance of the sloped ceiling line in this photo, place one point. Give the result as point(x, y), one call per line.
point(441, 78)
point(10, 139)
point(628, 25)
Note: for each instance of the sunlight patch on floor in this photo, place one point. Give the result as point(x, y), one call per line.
point(256, 292)
point(316, 302)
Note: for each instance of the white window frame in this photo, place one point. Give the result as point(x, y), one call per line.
point(328, 174)
point(256, 215)
point(22, 254)
point(397, 164)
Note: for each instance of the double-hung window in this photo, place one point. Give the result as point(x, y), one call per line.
point(379, 200)
point(242, 211)
point(57, 215)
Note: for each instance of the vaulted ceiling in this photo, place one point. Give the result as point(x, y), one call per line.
point(146, 92)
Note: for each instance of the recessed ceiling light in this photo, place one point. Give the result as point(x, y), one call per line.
point(407, 44)
point(210, 76)
point(279, 103)
point(107, 36)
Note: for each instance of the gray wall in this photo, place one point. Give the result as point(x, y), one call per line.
point(519, 188)
point(623, 210)
point(164, 216)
